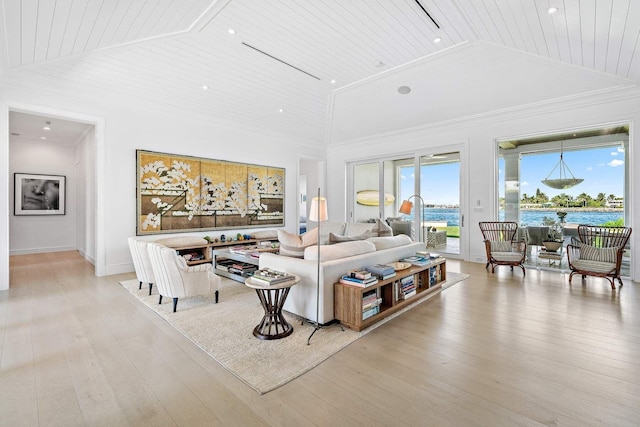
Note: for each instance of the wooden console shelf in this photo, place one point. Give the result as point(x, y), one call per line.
point(206, 250)
point(348, 299)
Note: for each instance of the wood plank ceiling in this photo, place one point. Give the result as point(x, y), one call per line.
point(277, 71)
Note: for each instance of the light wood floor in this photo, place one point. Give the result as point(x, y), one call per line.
point(493, 350)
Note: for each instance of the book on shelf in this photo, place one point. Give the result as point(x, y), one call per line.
point(416, 260)
point(380, 270)
point(408, 294)
point(372, 304)
point(370, 312)
point(363, 283)
point(359, 274)
point(369, 298)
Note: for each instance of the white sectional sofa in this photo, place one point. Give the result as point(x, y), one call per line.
point(335, 260)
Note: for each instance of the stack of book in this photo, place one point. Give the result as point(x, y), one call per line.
point(381, 271)
point(407, 287)
point(359, 278)
point(267, 276)
point(370, 303)
point(242, 268)
point(417, 260)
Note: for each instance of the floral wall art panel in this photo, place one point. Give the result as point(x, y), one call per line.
point(181, 193)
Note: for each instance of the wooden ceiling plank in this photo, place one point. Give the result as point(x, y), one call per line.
point(72, 26)
point(602, 33)
point(573, 24)
point(630, 49)
point(13, 33)
point(521, 19)
point(588, 33)
point(46, 12)
point(58, 28)
point(102, 22)
point(619, 20)
point(28, 29)
point(547, 27)
point(559, 20)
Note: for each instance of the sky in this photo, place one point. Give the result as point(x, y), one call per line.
point(602, 170)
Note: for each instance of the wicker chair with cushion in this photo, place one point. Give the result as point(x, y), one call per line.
point(175, 279)
point(501, 245)
point(599, 252)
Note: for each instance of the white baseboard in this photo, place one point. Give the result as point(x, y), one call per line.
point(126, 267)
point(41, 250)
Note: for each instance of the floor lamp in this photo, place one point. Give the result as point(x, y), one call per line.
point(318, 213)
point(407, 207)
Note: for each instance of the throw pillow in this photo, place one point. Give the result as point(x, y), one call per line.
point(293, 245)
point(500, 246)
point(383, 228)
point(591, 253)
point(336, 238)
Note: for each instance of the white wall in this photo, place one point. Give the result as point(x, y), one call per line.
point(124, 131)
point(42, 233)
point(481, 135)
point(86, 195)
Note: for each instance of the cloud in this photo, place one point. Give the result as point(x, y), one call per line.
point(524, 184)
point(620, 149)
point(590, 168)
point(614, 153)
point(614, 163)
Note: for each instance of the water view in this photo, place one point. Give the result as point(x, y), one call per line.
point(528, 217)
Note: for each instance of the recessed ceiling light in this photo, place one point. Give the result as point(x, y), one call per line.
point(43, 137)
point(47, 125)
point(403, 90)
point(205, 87)
point(437, 40)
point(552, 10)
point(231, 31)
point(281, 110)
point(333, 81)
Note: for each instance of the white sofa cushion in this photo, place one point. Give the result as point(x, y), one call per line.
point(339, 250)
point(294, 245)
point(181, 241)
point(387, 242)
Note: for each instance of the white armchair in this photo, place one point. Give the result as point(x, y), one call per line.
point(141, 262)
point(175, 279)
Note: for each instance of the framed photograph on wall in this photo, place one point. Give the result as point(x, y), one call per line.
point(37, 194)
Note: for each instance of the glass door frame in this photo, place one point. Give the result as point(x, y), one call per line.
point(461, 148)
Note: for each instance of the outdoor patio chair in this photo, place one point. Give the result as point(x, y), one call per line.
point(501, 245)
point(599, 252)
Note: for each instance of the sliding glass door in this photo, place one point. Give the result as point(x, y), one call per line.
point(431, 182)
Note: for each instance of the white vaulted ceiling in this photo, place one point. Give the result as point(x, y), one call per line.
point(493, 55)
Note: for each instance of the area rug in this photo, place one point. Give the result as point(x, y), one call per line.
point(225, 332)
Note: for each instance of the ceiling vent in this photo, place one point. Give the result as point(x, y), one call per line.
point(280, 60)
point(427, 13)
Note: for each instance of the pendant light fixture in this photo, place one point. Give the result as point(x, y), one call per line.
point(563, 181)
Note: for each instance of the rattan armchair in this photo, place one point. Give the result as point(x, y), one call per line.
point(599, 252)
point(501, 245)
